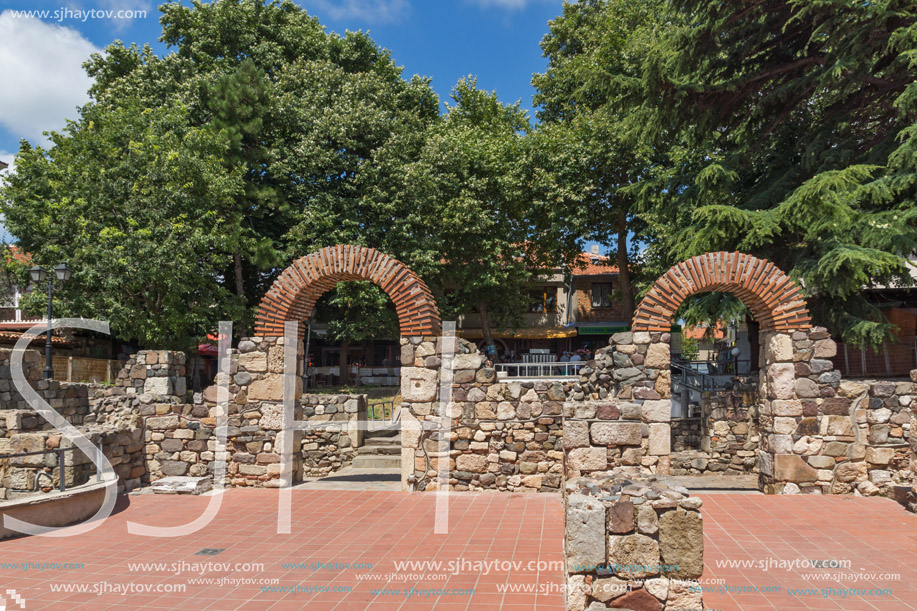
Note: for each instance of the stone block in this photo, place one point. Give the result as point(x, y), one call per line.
point(806, 388)
point(467, 361)
point(659, 439)
point(635, 600)
point(576, 434)
point(584, 533)
point(836, 425)
point(781, 381)
point(636, 556)
point(657, 356)
point(787, 407)
point(616, 433)
point(419, 385)
point(174, 467)
point(879, 456)
point(779, 348)
point(684, 595)
point(475, 463)
point(791, 468)
point(587, 459)
point(681, 541)
point(253, 362)
point(158, 386)
point(269, 388)
point(657, 411)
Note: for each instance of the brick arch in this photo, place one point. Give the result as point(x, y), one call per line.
point(772, 296)
point(298, 288)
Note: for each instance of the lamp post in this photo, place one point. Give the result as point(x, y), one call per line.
point(39, 275)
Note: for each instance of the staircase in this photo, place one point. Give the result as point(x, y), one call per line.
point(381, 449)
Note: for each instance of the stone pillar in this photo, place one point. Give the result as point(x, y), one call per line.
point(912, 498)
point(420, 377)
point(628, 380)
point(802, 403)
point(256, 412)
point(631, 541)
point(159, 373)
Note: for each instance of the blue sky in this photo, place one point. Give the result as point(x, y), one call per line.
point(41, 81)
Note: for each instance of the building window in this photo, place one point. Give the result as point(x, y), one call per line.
point(601, 294)
point(543, 300)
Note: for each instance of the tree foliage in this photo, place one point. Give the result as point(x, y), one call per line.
point(190, 180)
point(790, 127)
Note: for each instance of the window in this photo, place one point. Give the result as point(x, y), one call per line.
point(543, 300)
point(601, 294)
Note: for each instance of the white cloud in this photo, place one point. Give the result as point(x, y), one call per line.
point(42, 80)
point(7, 158)
point(379, 11)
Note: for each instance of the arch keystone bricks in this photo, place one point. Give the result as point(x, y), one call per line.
point(295, 292)
point(772, 296)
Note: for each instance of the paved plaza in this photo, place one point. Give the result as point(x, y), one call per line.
point(369, 531)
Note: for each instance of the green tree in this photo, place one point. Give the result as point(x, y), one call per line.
point(471, 177)
point(191, 180)
point(356, 312)
point(127, 198)
point(791, 133)
point(595, 51)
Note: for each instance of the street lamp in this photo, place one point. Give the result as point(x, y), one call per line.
point(39, 275)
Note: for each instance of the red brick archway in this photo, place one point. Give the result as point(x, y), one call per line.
point(298, 288)
point(772, 296)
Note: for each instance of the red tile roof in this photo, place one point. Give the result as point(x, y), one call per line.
point(588, 264)
point(11, 337)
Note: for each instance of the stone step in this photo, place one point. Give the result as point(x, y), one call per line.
point(376, 461)
point(182, 485)
point(382, 441)
point(386, 450)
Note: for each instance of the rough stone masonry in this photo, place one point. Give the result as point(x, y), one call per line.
point(632, 541)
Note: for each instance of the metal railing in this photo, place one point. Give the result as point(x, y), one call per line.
point(706, 376)
point(556, 369)
point(62, 486)
point(381, 421)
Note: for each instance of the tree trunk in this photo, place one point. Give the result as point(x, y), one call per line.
point(627, 288)
point(345, 369)
point(485, 329)
point(237, 264)
point(754, 341)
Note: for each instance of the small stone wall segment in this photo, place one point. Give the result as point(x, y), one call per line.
point(504, 435)
point(180, 438)
point(725, 438)
point(95, 410)
point(298, 288)
point(771, 295)
point(821, 434)
point(632, 541)
point(332, 447)
point(160, 373)
point(619, 412)
point(41, 473)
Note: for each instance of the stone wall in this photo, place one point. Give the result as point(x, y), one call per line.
point(726, 437)
point(334, 445)
point(825, 435)
point(619, 412)
point(632, 541)
point(154, 372)
point(31, 474)
point(180, 437)
point(503, 435)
